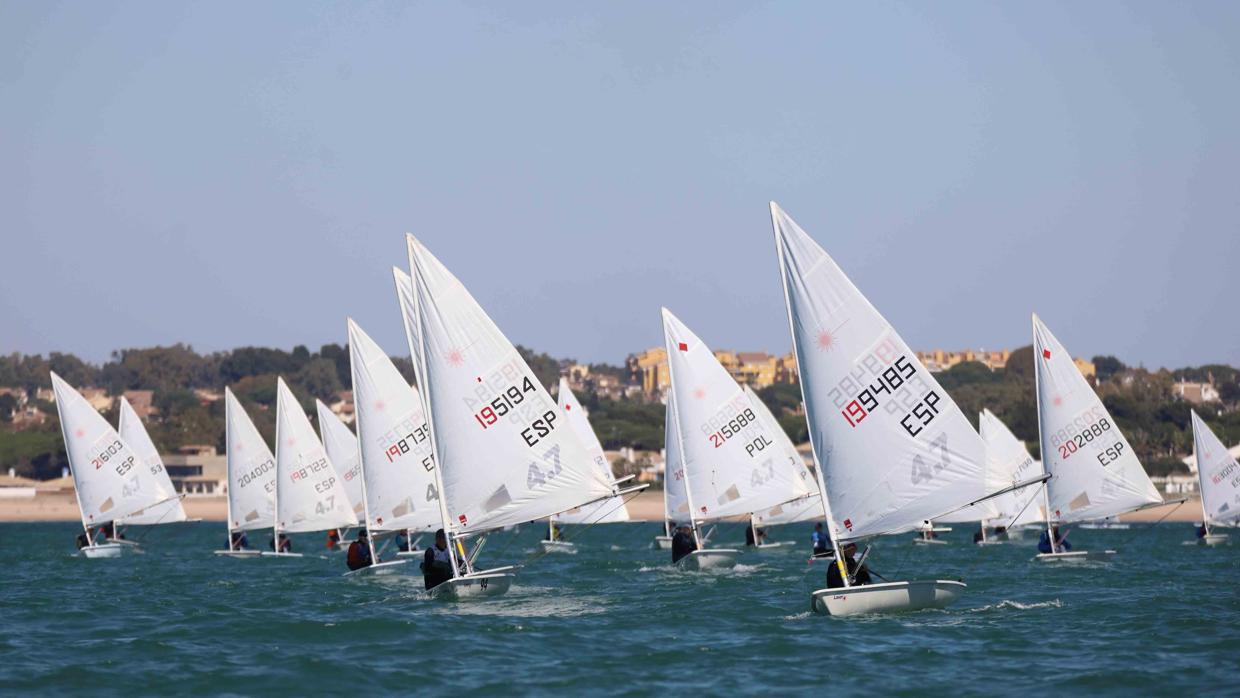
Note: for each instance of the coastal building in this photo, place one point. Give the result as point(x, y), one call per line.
point(207, 396)
point(97, 398)
point(342, 406)
point(758, 369)
point(142, 402)
point(1196, 393)
point(937, 360)
point(197, 470)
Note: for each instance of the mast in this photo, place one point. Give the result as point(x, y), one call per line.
point(1046, 486)
point(228, 446)
point(77, 495)
point(680, 440)
point(424, 396)
point(275, 520)
point(818, 474)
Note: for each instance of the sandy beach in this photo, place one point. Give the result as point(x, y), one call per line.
point(646, 506)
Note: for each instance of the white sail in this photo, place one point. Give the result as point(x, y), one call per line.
point(408, 309)
point(894, 448)
point(251, 470)
point(310, 495)
point(395, 441)
point(110, 479)
point(342, 451)
point(1219, 474)
point(610, 510)
point(504, 454)
point(1010, 461)
point(133, 433)
point(799, 507)
point(675, 499)
point(1094, 472)
point(734, 463)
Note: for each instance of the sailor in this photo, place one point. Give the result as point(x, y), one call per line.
point(553, 532)
point(109, 532)
point(1061, 542)
point(1201, 531)
point(239, 541)
point(859, 576)
point(286, 546)
point(359, 552)
point(682, 543)
point(83, 539)
point(822, 542)
point(402, 541)
point(333, 539)
point(754, 536)
point(437, 562)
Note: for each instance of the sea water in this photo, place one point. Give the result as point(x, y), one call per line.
point(614, 619)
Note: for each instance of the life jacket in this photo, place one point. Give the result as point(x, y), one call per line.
point(358, 556)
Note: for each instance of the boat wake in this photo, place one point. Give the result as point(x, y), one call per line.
point(1009, 605)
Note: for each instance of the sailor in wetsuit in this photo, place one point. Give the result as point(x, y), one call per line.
point(437, 562)
point(1061, 542)
point(859, 576)
point(821, 541)
point(358, 555)
point(683, 543)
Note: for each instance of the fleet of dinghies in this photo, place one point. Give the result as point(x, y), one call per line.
point(477, 444)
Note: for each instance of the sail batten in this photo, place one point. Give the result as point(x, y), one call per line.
point(1094, 471)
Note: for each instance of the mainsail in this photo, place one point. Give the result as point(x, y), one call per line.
point(675, 499)
point(804, 508)
point(395, 441)
point(610, 510)
point(732, 459)
point(251, 470)
point(1219, 475)
point(309, 494)
point(342, 451)
point(110, 479)
point(504, 454)
point(133, 433)
point(1010, 461)
point(1094, 472)
point(894, 448)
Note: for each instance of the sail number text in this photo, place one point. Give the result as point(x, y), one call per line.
point(108, 453)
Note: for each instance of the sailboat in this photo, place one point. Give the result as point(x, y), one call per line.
point(342, 451)
point(110, 480)
point(891, 447)
point(499, 442)
point(610, 510)
point(309, 493)
point(1009, 459)
point(1219, 475)
point(170, 511)
point(399, 490)
point(802, 503)
point(731, 463)
point(1094, 472)
point(251, 478)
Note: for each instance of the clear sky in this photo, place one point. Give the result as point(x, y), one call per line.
point(232, 173)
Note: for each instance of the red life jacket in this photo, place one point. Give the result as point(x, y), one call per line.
point(358, 555)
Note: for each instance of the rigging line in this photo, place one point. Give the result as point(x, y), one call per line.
point(1139, 531)
point(541, 553)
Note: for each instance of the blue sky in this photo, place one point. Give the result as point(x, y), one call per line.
point(230, 174)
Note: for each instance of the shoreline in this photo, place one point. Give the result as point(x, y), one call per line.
point(61, 505)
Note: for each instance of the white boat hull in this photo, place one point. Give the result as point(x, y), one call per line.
point(411, 553)
point(106, 550)
point(1075, 556)
point(1105, 527)
point(239, 553)
point(662, 543)
point(268, 553)
point(929, 541)
point(708, 559)
point(1213, 539)
point(557, 546)
point(778, 546)
point(478, 585)
point(380, 569)
point(889, 597)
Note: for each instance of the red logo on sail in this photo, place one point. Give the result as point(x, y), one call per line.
point(848, 524)
point(1046, 354)
point(684, 347)
point(464, 521)
point(703, 510)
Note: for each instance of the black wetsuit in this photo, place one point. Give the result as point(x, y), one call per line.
point(860, 577)
point(436, 567)
point(682, 545)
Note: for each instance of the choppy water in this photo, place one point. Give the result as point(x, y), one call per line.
point(613, 619)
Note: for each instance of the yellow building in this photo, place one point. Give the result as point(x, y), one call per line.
point(757, 369)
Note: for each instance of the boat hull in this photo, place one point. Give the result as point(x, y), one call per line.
point(708, 559)
point(889, 597)
point(244, 554)
point(411, 553)
point(776, 547)
point(1213, 539)
point(107, 550)
point(662, 543)
point(929, 541)
point(1075, 556)
point(557, 546)
point(267, 554)
point(380, 569)
point(479, 585)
